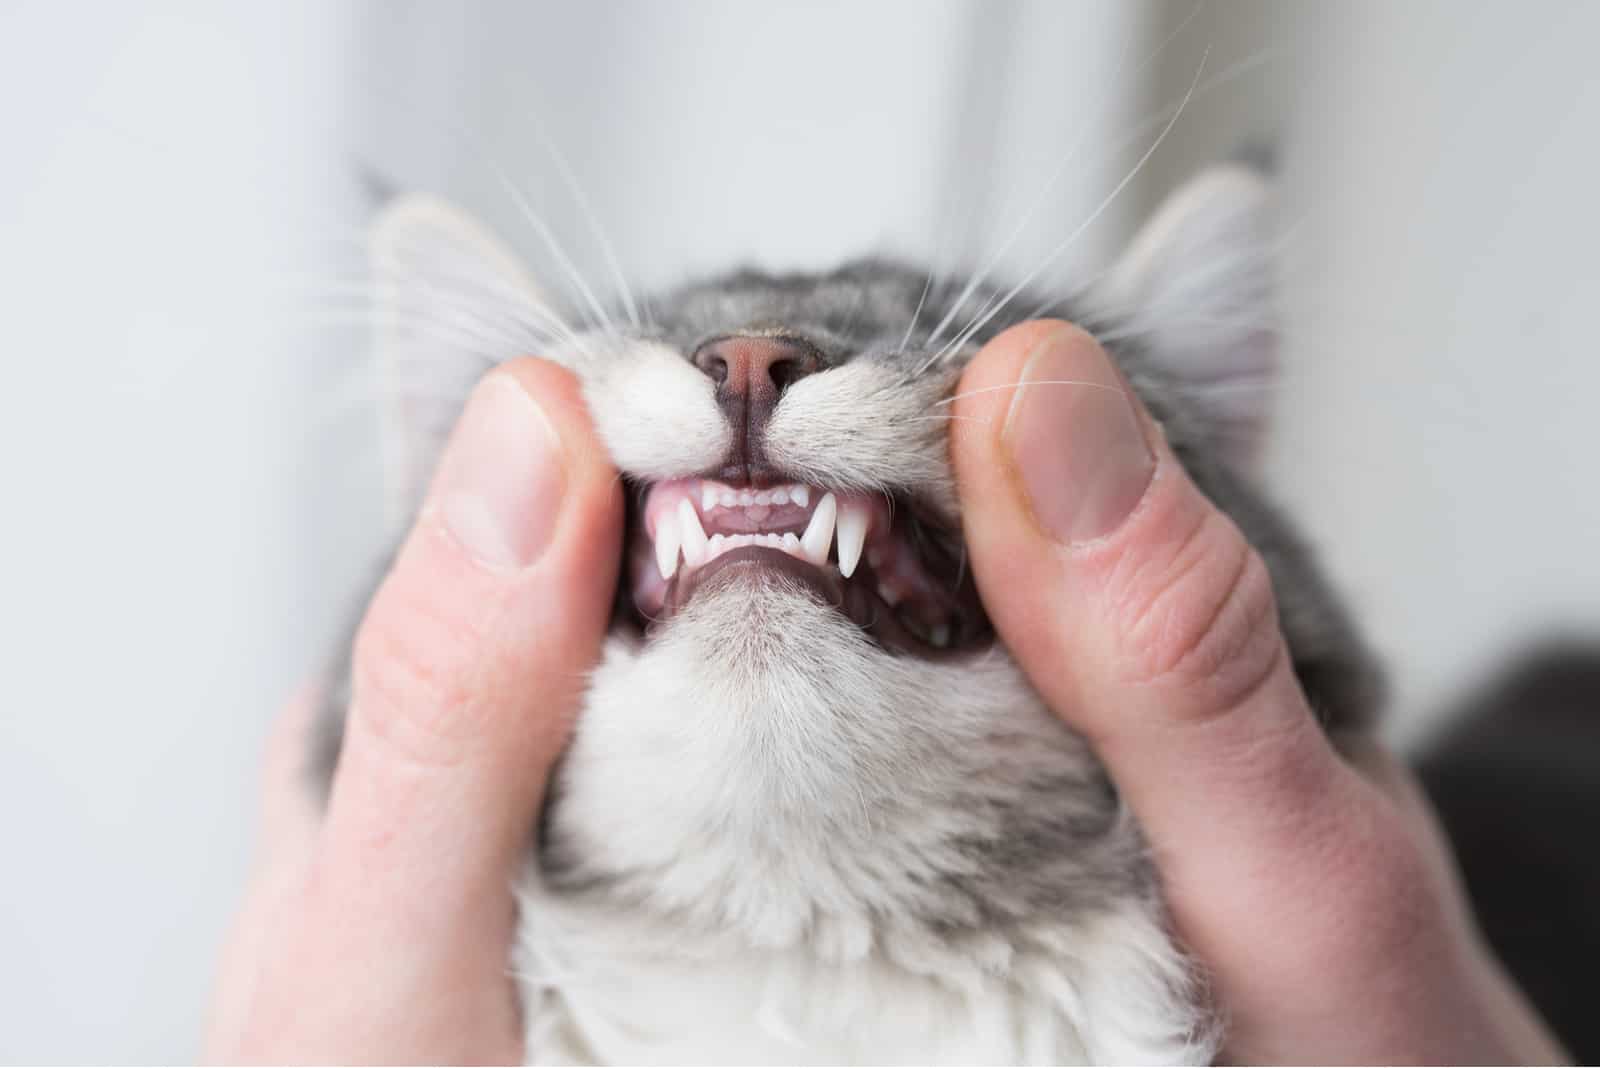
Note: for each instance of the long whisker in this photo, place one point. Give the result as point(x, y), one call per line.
point(1066, 159)
point(916, 312)
point(488, 357)
point(1023, 385)
point(619, 281)
point(1084, 285)
point(961, 339)
point(515, 321)
point(599, 317)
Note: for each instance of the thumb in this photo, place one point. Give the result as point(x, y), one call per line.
point(466, 675)
point(1141, 615)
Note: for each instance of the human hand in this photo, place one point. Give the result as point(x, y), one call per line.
point(380, 930)
point(1317, 894)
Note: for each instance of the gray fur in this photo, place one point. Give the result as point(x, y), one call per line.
point(756, 789)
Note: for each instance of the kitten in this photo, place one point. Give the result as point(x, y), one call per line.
point(812, 810)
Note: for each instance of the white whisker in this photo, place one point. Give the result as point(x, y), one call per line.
point(1024, 385)
point(1115, 78)
point(599, 317)
point(978, 324)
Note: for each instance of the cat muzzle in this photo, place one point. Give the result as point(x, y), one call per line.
point(863, 554)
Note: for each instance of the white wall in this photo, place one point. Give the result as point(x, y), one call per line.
point(164, 183)
point(189, 466)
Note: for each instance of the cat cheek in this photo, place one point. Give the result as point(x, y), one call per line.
point(656, 413)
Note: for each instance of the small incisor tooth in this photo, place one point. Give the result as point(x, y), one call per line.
point(800, 495)
point(852, 536)
point(692, 533)
point(669, 539)
point(819, 532)
point(708, 496)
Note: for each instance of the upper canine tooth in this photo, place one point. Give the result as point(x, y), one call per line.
point(800, 495)
point(693, 534)
point(669, 538)
point(819, 532)
point(852, 536)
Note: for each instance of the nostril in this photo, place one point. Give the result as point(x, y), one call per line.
point(757, 369)
point(786, 372)
point(714, 366)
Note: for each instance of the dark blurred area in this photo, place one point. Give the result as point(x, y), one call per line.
point(1516, 781)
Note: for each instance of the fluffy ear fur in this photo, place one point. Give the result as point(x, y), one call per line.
point(451, 302)
point(1195, 288)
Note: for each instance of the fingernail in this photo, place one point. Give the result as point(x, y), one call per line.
point(1076, 440)
point(499, 484)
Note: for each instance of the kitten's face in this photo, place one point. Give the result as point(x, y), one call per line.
point(790, 434)
point(802, 703)
point(786, 437)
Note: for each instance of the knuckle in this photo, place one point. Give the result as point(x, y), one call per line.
point(1201, 616)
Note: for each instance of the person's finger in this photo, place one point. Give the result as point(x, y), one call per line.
point(467, 671)
point(1145, 619)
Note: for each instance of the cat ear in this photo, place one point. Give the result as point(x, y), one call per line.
point(1195, 291)
point(450, 303)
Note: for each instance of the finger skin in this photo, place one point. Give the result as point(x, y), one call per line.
point(1177, 673)
point(1285, 870)
point(466, 678)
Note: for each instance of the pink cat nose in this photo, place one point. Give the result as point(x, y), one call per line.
point(751, 372)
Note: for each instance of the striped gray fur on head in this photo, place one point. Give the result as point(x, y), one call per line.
point(757, 786)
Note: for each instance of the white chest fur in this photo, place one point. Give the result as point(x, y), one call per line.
point(609, 989)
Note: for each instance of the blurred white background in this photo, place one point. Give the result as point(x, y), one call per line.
point(188, 435)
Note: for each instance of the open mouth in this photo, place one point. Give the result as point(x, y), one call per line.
point(899, 576)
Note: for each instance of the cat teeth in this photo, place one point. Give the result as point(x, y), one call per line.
point(718, 544)
point(853, 521)
point(669, 539)
point(681, 539)
point(715, 495)
point(693, 534)
point(819, 532)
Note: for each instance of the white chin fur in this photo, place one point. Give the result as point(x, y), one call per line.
point(767, 796)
